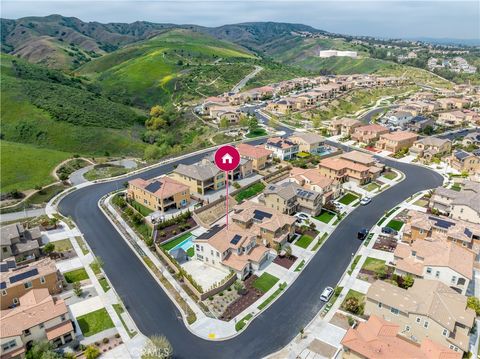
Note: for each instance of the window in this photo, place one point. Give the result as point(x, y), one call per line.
point(418, 320)
point(15, 300)
point(10, 344)
point(218, 254)
point(429, 270)
point(211, 252)
point(414, 253)
point(28, 285)
point(437, 274)
point(379, 304)
point(454, 279)
point(5, 249)
point(407, 328)
point(4, 292)
point(26, 332)
point(461, 281)
point(394, 311)
point(445, 332)
point(62, 317)
point(425, 324)
point(42, 280)
point(42, 325)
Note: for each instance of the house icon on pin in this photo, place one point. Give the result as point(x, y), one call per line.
point(227, 158)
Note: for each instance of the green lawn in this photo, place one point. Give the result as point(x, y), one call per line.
point(25, 166)
point(144, 211)
point(319, 242)
point(95, 322)
point(191, 251)
point(354, 294)
point(373, 264)
point(104, 284)
point(76, 275)
point(390, 175)
point(265, 282)
point(354, 264)
point(63, 245)
point(304, 241)
point(242, 322)
point(119, 310)
point(325, 216)
point(372, 186)
point(83, 245)
point(421, 203)
point(348, 198)
point(275, 294)
point(250, 191)
point(176, 241)
point(257, 133)
point(300, 266)
point(96, 268)
point(396, 225)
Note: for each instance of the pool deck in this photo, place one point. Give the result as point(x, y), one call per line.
point(204, 274)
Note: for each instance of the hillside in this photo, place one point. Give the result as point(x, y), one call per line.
point(178, 65)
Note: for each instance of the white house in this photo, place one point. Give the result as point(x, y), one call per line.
point(283, 149)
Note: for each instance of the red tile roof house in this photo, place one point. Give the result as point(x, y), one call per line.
point(368, 134)
point(379, 339)
point(396, 141)
point(259, 155)
point(312, 179)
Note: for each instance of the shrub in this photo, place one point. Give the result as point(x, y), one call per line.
point(91, 352)
point(49, 248)
point(105, 340)
point(474, 303)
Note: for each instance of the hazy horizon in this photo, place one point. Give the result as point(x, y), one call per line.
point(382, 18)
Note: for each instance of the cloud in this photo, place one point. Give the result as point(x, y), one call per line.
point(453, 19)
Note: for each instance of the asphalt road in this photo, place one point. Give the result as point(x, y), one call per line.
point(154, 313)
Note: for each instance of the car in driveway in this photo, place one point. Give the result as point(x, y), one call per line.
point(326, 294)
point(302, 216)
point(388, 230)
point(365, 200)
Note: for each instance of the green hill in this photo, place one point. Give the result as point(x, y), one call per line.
point(176, 65)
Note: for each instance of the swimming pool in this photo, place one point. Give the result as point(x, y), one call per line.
point(185, 245)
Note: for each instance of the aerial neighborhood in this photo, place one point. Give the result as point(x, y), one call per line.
point(331, 214)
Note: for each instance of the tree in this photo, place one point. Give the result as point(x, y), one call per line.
point(152, 152)
point(288, 251)
point(41, 350)
point(352, 305)
point(407, 281)
point(77, 289)
point(243, 121)
point(92, 352)
point(156, 111)
point(474, 303)
point(224, 122)
point(253, 124)
point(158, 347)
point(49, 248)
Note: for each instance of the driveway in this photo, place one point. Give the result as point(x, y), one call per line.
point(154, 313)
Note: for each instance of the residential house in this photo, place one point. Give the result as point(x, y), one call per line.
point(19, 242)
point(259, 155)
point(462, 205)
point(420, 123)
point(200, 177)
point(375, 168)
point(38, 317)
point(289, 198)
point(159, 194)
point(233, 248)
point(422, 226)
point(437, 260)
point(272, 227)
point(282, 106)
point(230, 113)
point(457, 118)
point(473, 138)
point(311, 179)
point(343, 126)
point(463, 161)
point(396, 141)
point(342, 170)
point(243, 170)
point(308, 142)
point(427, 310)
point(430, 147)
point(16, 281)
point(399, 118)
point(381, 339)
point(369, 133)
point(449, 103)
point(282, 148)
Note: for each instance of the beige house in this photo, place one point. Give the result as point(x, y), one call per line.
point(396, 141)
point(259, 155)
point(449, 103)
point(375, 168)
point(308, 142)
point(380, 339)
point(464, 161)
point(19, 242)
point(427, 310)
point(231, 113)
point(343, 126)
point(312, 179)
point(456, 118)
point(437, 260)
point(38, 317)
point(429, 147)
point(273, 228)
point(369, 133)
point(460, 205)
point(200, 177)
point(289, 198)
point(15, 282)
point(234, 249)
point(159, 194)
point(341, 170)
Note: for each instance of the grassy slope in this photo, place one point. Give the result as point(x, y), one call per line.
point(25, 166)
point(146, 73)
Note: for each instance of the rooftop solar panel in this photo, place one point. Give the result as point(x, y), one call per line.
point(442, 223)
point(3, 285)
point(235, 239)
point(154, 186)
point(210, 233)
point(23, 275)
point(5, 266)
point(468, 233)
point(260, 215)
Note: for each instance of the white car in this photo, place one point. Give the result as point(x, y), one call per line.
point(302, 216)
point(327, 294)
point(365, 200)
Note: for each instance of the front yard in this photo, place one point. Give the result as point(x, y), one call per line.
point(95, 322)
point(304, 241)
point(372, 186)
point(373, 264)
point(144, 211)
point(390, 175)
point(354, 302)
point(76, 275)
point(265, 282)
point(325, 216)
point(395, 224)
point(348, 198)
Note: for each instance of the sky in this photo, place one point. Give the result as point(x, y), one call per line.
point(380, 18)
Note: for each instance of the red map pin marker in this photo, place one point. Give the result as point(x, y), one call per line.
point(227, 158)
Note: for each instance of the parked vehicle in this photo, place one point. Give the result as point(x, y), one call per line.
point(362, 234)
point(365, 200)
point(326, 294)
point(302, 216)
point(388, 230)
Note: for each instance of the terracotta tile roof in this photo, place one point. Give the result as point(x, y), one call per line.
point(58, 330)
point(311, 176)
point(338, 164)
point(163, 187)
point(371, 128)
point(379, 339)
point(346, 122)
point(36, 306)
point(357, 156)
point(399, 136)
point(254, 152)
point(307, 137)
